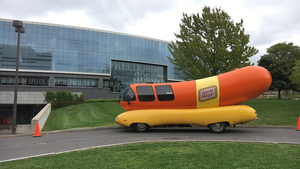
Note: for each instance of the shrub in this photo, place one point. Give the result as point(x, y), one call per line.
point(76, 97)
point(69, 97)
point(62, 99)
point(81, 100)
point(49, 97)
point(101, 100)
point(63, 96)
point(62, 103)
point(58, 96)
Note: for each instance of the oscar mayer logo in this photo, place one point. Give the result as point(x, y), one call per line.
point(207, 93)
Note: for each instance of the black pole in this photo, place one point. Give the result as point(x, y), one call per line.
point(14, 122)
point(18, 28)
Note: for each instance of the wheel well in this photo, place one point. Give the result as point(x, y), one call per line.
point(132, 124)
point(226, 122)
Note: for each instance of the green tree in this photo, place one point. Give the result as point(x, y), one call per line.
point(295, 76)
point(279, 60)
point(210, 44)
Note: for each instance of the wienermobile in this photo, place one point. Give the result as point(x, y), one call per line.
point(212, 102)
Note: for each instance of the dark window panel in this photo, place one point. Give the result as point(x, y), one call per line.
point(164, 93)
point(145, 93)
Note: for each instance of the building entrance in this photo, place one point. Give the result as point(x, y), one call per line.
point(24, 113)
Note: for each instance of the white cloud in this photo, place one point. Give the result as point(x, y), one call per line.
point(70, 17)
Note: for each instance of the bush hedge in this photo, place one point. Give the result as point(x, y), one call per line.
point(101, 100)
point(62, 99)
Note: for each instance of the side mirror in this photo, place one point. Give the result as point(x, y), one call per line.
point(127, 98)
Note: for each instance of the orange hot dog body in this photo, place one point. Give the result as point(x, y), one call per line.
point(243, 84)
point(184, 97)
point(230, 88)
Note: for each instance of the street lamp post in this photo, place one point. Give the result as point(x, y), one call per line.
point(18, 28)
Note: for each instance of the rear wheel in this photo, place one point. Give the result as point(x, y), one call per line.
point(217, 127)
point(141, 127)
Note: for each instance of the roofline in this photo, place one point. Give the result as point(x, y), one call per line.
point(85, 28)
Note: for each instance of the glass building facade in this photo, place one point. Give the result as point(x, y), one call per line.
point(125, 58)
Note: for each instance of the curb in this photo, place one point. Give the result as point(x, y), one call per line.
point(121, 127)
point(63, 131)
point(273, 127)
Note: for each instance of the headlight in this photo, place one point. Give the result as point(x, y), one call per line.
point(116, 118)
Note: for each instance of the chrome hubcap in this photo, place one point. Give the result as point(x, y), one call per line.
point(217, 126)
point(141, 126)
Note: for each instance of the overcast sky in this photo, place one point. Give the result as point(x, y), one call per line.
point(268, 22)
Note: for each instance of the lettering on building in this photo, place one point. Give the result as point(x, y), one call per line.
point(26, 81)
point(126, 73)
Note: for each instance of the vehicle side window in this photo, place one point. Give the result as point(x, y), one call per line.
point(130, 95)
point(127, 94)
point(123, 93)
point(164, 93)
point(145, 93)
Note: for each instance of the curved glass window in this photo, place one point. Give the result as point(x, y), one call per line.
point(127, 94)
point(122, 94)
point(130, 96)
point(125, 73)
point(72, 49)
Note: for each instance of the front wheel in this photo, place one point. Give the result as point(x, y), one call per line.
point(141, 127)
point(217, 127)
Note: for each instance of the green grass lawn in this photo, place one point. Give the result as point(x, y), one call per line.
point(84, 115)
point(172, 155)
point(275, 112)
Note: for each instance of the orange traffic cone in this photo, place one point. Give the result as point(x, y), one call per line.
point(37, 130)
point(298, 128)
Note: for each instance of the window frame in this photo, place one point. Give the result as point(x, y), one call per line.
point(147, 97)
point(169, 94)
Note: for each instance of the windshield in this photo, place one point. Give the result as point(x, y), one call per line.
point(127, 94)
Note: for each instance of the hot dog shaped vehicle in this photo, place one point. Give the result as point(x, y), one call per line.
point(210, 102)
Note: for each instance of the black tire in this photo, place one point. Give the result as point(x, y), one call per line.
point(141, 127)
point(217, 127)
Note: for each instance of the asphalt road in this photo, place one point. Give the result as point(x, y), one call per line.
point(14, 148)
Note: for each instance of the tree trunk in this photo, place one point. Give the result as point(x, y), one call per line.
point(279, 96)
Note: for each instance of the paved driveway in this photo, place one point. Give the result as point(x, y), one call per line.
point(27, 146)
